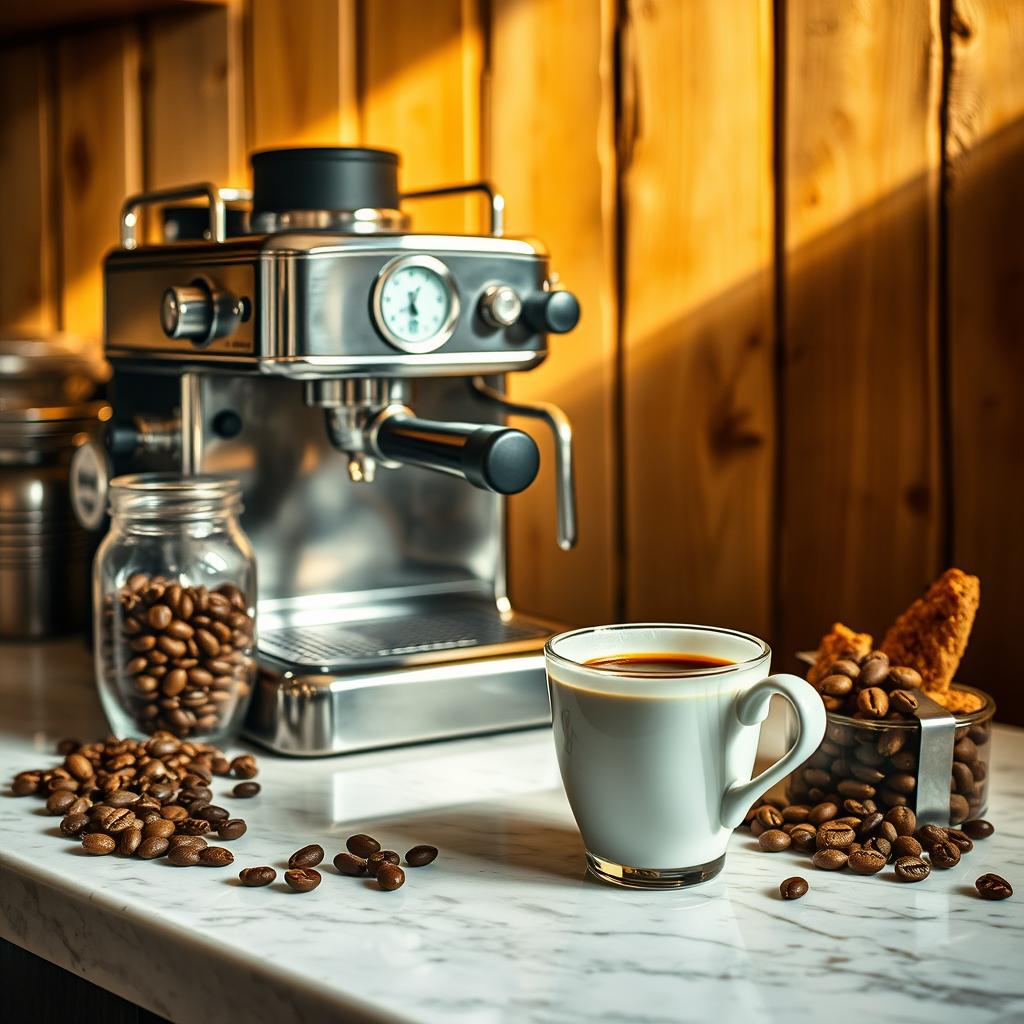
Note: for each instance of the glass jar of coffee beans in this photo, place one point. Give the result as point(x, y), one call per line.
point(174, 585)
point(874, 761)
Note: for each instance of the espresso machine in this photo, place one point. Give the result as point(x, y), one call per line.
point(350, 373)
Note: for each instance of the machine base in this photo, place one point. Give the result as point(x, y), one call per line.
point(318, 715)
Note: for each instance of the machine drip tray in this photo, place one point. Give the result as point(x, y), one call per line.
point(410, 638)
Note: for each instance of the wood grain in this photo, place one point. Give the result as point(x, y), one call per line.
point(985, 154)
point(193, 97)
point(302, 73)
point(27, 284)
point(698, 336)
point(419, 90)
point(99, 162)
point(861, 511)
point(569, 203)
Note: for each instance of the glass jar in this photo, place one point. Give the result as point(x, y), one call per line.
point(878, 760)
point(175, 591)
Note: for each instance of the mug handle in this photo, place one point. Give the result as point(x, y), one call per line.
point(751, 708)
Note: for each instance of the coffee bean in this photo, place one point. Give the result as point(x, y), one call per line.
point(152, 847)
point(256, 877)
point(873, 701)
point(98, 844)
point(350, 864)
point(60, 802)
point(858, 809)
point(362, 845)
point(420, 856)
point(816, 777)
point(822, 812)
point(835, 685)
point(193, 826)
point(119, 819)
point(874, 671)
point(212, 814)
point(233, 828)
point(376, 860)
point(769, 817)
point(187, 842)
point(803, 838)
point(901, 782)
point(929, 835)
point(174, 812)
point(855, 789)
point(246, 790)
point(903, 702)
point(390, 877)
point(993, 887)
point(906, 846)
point(184, 856)
point(959, 809)
point(73, 824)
point(944, 854)
point(960, 840)
point(244, 767)
point(869, 825)
point(965, 750)
point(880, 845)
point(891, 742)
point(25, 783)
point(830, 860)
point(866, 862)
point(302, 879)
point(307, 857)
point(79, 766)
point(122, 798)
point(128, 841)
point(904, 678)
point(963, 778)
point(835, 835)
point(793, 888)
point(903, 820)
point(216, 857)
point(912, 869)
point(772, 840)
point(977, 828)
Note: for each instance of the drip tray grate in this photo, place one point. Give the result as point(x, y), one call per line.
point(346, 644)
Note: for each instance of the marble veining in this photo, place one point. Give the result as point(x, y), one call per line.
point(505, 926)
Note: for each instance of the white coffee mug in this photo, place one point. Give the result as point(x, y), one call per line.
point(657, 766)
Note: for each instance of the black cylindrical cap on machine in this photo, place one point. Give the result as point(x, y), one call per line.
point(324, 178)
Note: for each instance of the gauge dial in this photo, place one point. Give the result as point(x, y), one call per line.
point(415, 304)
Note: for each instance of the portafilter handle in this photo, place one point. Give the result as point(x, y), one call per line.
point(565, 469)
point(490, 457)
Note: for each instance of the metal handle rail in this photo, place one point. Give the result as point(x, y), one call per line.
point(496, 200)
point(565, 470)
point(215, 196)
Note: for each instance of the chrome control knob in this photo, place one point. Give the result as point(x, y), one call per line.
point(187, 312)
point(500, 305)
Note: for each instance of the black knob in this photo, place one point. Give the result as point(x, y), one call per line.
point(122, 439)
point(552, 312)
point(227, 424)
point(490, 457)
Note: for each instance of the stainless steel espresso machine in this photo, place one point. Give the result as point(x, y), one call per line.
point(350, 373)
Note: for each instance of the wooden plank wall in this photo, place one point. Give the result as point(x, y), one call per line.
point(793, 226)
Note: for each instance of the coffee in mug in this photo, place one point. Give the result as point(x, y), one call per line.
point(656, 729)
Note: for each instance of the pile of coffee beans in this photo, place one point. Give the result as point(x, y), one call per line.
point(180, 657)
point(145, 799)
point(873, 752)
point(363, 856)
point(856, 835)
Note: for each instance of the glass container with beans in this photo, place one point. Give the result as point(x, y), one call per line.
point(174, 593)
point(871, 749)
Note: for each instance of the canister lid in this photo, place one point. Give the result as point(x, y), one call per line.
point(324, 178)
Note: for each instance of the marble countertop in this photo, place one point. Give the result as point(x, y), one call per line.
point(505, 926)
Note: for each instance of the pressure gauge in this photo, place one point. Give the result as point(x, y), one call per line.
point(415, 304)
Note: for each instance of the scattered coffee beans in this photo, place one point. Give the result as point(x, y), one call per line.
point(993, 887)
point(152, 847)
point(377, 860)
point(774, 840)
point(257, 877)
point(184, 856)
point(307, 857)
point(362, 845)
point(906, 846)
point(246, 790)
point(181, 656)
point(233, 828)
point(349, 864)
point(912, 869)
point(793, 888)
point(830, 860)
point(866, 862)
point(216, 857)
point(390, 877)
point(97, 843)
point(944, 855)
point(302, 879)
point(978, 828)
point(420, 856)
